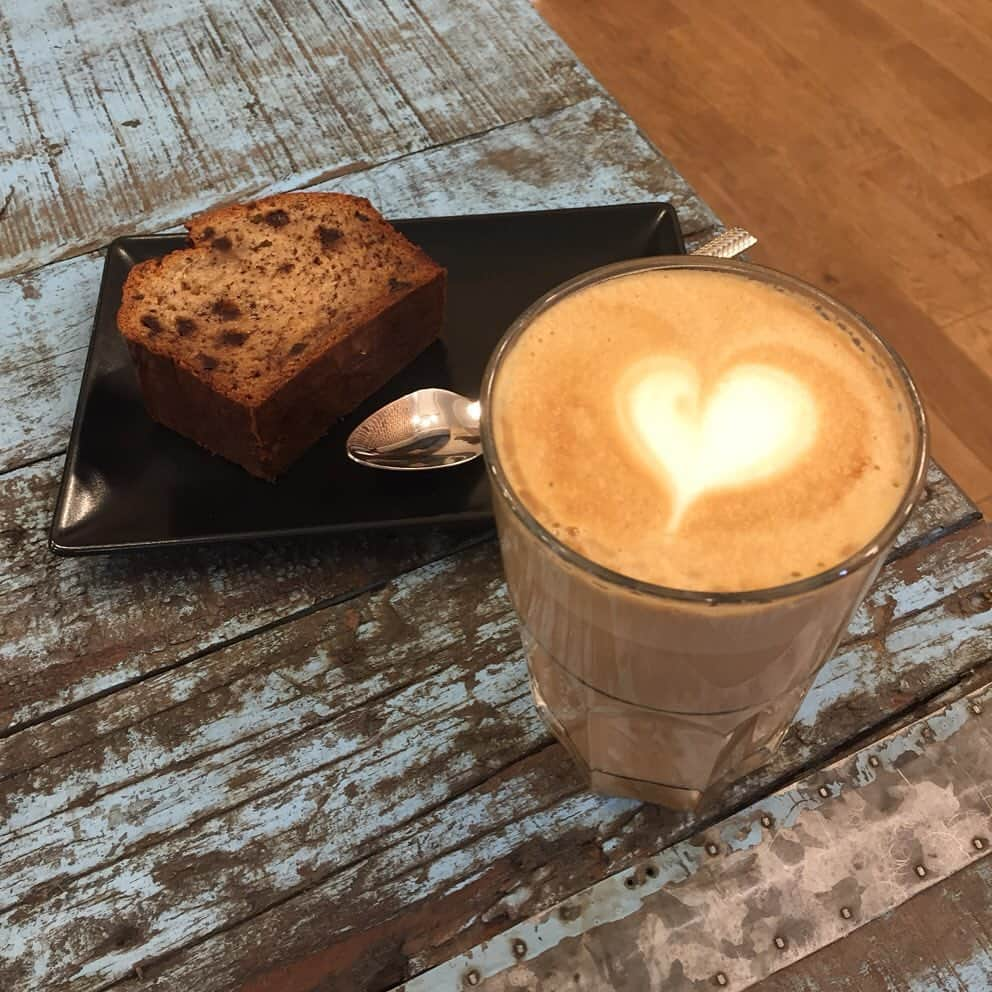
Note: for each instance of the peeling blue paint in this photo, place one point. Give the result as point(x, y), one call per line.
point(797, 815)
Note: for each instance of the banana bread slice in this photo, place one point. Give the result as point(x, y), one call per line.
point(282, 317)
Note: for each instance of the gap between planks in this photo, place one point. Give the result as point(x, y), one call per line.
point(911, 570)
point(541, 163)
point(289, 618)
point(325, 102)
point(943, 511)
point(937, 700)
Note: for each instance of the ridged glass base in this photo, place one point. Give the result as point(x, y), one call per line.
point(627, 749)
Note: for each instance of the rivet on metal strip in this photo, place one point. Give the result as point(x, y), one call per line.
point(866, 833)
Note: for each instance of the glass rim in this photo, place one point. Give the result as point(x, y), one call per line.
point(861, 558)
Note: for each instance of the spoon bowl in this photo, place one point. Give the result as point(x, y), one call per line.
point(436, 428)
point(429, 428)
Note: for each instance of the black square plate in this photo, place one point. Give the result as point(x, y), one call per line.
point(130, 483)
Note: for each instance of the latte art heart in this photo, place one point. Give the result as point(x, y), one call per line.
point(646, 438)
point(755, 421)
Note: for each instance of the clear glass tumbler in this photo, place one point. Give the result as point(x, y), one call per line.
point(662, 694)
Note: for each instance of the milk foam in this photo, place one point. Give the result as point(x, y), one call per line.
point(754, 422)
point(703, 430)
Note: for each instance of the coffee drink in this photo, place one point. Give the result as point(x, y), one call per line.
point(697, 467)
point(701, 430)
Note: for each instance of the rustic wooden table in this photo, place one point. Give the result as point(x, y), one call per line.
point(315, 764)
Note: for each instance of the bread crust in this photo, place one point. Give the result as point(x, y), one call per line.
point(258, 395)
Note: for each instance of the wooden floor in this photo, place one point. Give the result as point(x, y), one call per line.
point(854, 138)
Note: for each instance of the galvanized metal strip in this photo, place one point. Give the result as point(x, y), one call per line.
point(769, 885)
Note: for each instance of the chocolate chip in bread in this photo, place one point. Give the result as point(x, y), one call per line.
point(282, 316)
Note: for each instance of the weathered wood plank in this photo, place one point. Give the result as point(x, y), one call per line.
point(588, 154)
point(943, 508)
point(211, 595)
point(75, 628)
point(66, 777)
point(42, 351)
point(283, 788)
point(768, 885)
point(531, 165)
point(247, 716)
point(140, 121)
point(78, 628)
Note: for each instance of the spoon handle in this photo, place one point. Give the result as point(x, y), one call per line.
point(727, 244)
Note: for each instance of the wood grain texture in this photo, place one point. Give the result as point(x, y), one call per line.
point(376, 761)
point(772, 883)
point(59, 658)
point(42, 352)
point(145, 119)
point(80, 627)
point(946, 36)
point(535, 164)
point(853, 138)
point(316, 764)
